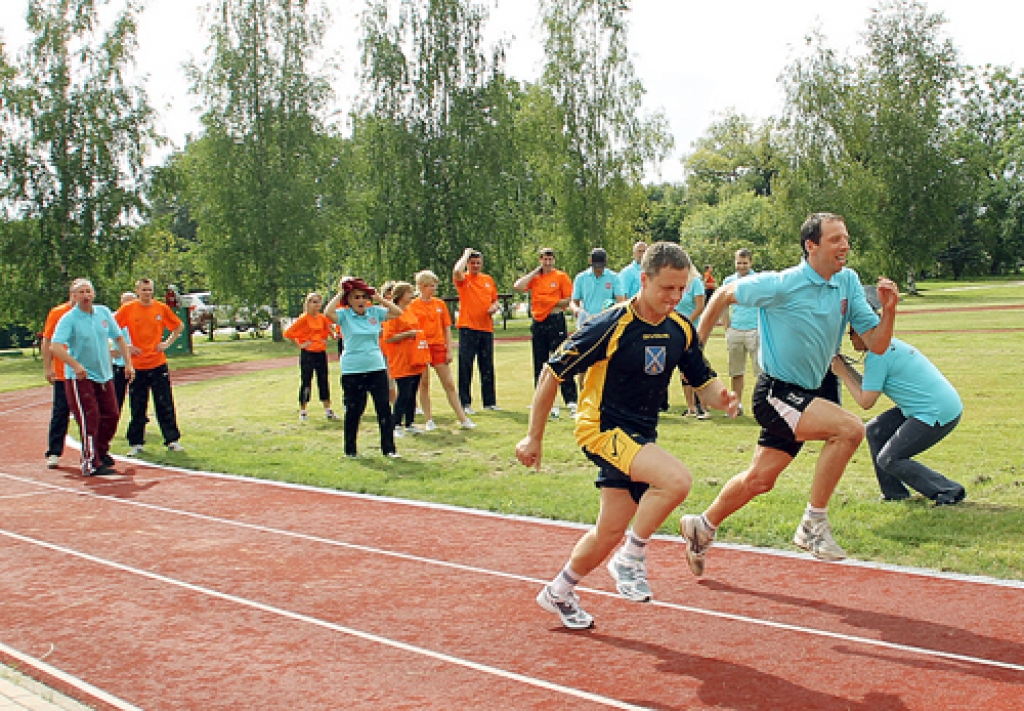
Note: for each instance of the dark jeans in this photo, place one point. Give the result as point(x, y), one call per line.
point(95, 408)
point(355, 387)
point(158, 381)
point(893, 439)
point(545, 337)
point(310, 363)
point(59, 414)
point(405, 403)
point(479, 346)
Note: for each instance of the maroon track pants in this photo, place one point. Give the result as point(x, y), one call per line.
point(95, 408)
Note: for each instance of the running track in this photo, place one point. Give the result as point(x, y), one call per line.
point(170, 589)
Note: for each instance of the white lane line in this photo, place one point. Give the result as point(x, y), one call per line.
point(73, 681)
point(359, 634)
point(771, 624)
point(24, 407)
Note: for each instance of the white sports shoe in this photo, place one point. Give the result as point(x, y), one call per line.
point(630, 575)
point(399, 431)
point(469, 410)
point(419, 410)
point(135, 450)
point(572, 409)
point(414, 430)
point(467, 424)
point(698, 540)
point(52, 461)
point(555, 412)
point(175, 446)
point(568, 608)
point(816, 537)
point(429, 426)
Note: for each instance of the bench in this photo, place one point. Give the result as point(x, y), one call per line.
point(507, 307)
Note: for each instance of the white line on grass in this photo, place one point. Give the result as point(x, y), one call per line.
point(812, 631)
point(351, 631)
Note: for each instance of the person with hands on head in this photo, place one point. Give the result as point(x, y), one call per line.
point(360, 313)
point(928, 408)
point(803, 313)
point(628, 354)
point(478, 302)
point(310, 333)
point(85, 333)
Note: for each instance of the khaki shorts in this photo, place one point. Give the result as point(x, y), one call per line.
point(740, 344)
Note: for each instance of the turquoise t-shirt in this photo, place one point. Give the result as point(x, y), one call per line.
point(594, 292)
point(688, 303)
point(911, 381)
point(361, 335)
point(802, 319)
point(87, 337)
point(741, 318)
point(629, 279)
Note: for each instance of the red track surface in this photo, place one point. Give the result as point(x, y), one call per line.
point(176, 590)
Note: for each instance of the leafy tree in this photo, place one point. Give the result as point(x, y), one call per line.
point(254, 173)
point(75, 135)
point(734, 155)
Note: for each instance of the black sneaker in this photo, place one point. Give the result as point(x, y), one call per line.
point(947, 499)
point(104, 471)
point(106, 460)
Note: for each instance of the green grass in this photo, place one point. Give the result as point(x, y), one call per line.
point(225, 432)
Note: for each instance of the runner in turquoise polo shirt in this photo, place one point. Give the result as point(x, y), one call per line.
point(804, 311)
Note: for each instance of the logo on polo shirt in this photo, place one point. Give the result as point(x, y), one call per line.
point(654, 360)
point(843, 305)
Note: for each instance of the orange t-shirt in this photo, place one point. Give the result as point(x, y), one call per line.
point(51, 325)
point(146, 325)
point(400, 358)
point(476, 294)
point(316, 329)
point(433, 317)
point(546, 290)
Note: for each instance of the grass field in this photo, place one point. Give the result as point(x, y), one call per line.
point(248, 425)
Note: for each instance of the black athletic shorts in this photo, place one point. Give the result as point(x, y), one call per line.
point(778, 405)
point(610, 475)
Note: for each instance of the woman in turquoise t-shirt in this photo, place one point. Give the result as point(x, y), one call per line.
point(363, 369)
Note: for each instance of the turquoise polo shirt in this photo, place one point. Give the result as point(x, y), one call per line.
point(87, 337)
point(361, 335)
point(593, 291)
point(912, 382)
point(802, 319)
point(688, 303)
point(629, 279)
point(741, 318)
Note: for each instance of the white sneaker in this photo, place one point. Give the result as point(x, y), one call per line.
point(135, 450)
point(572, 409)
point(492, 408)
point(630, 576)
point(394, 455)
point(331, 415)
point(698, 540)
point(567, 608)
point(816, 538)
point(467, 424)
point(414, 430)
point(739, 410)
point(555, 412)
point(469, 410)
point(419, 410)
point(303, 416)
point(429, 426)
point(52, 461)
point(175, 446)
point(399, 431)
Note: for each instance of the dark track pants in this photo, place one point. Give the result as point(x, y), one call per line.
point(59, 415)
point(545, 337)
point(355, 387)
point(479, 346)
point(157, 381)
point(95, 408)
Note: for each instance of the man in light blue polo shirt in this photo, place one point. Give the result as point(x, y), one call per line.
point(594, 289)
point(629, 277)
point(928, 408)
point(803, 313)
point(742, 339)
point(85, 332)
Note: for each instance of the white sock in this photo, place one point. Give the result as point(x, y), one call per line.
point(707, 524)
point(565, 581)
point(815, 512)
point(635, 547)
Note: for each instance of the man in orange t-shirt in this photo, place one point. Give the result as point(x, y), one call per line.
point(478, 302)
point(59, 411)
point(146, 320)
point(550, 293)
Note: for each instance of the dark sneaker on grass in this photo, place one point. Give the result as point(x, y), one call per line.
point(567, 608)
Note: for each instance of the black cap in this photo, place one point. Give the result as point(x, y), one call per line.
point(598, 256)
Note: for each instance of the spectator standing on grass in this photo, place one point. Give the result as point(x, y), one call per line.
point(596, 288)
point(363, 370)
point(742, 338)
point(386, 290)
point(310, 333)
point(120, 379)
point(928, 408)
point(478, 302)
point(146, 321)
point(628, 354)
point(709, 282)
point(54, 373)
point(692, 306)
point(409, 355)
point(629, 277)
point(804, 311)
point(85, 333)
point(436, 323)
point(550, 293)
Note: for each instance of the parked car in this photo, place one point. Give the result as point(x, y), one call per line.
point(204, 315)
point(200, 310)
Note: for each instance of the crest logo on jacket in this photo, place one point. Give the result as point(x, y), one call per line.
point(654, 360)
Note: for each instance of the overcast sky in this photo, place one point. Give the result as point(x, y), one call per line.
point(696, 59)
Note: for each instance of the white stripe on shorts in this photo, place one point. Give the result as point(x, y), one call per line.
point(788, 413)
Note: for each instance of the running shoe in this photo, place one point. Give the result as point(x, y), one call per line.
point(135, 450)
point(572, 409)
point(698, 540)
point(816, 538)
point(399, 431)
point(567, 608)
point(555, 412)
point(429, 426)
point(469, 410)
point(52, 461)
point(630, 575)
point(467, 424)
point(331, 415)
point(492, 408)
point(414, 430)
point(175, 446)
point(303, 416)
point(703, 414)
point(394, 455)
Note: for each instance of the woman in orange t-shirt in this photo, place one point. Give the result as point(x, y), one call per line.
point(310, 333)
point(437, 325)
point(406, 361)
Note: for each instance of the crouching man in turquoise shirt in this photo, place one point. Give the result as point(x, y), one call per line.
point(927, 409)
